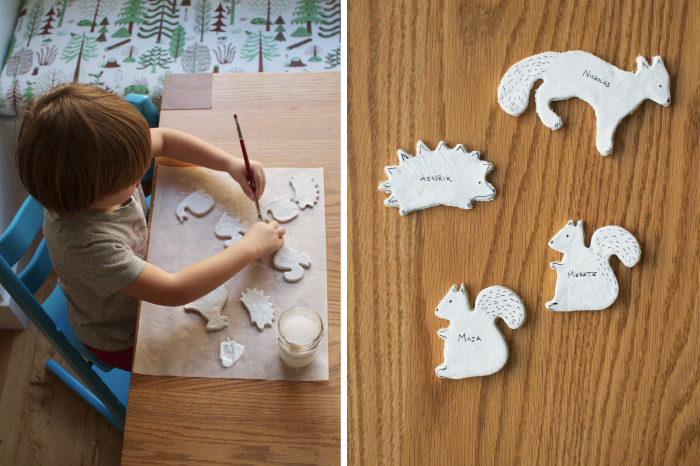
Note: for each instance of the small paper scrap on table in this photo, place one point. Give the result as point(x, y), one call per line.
point(613, 93)
point(452, 177)
point(173, 342)
point(585, 280)
point(473, 344)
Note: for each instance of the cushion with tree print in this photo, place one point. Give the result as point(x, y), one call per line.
point(127, 46)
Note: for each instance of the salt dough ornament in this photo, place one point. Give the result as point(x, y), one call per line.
point(259, 307)
point(451, 177)
point(585, 280)
point(230, 352)
point(229, 227)
point(210, 308)
point(282, 209)
point(305, 191)
point(199, 203)
point(473, 344)
point(612, 92)
point(290, 260)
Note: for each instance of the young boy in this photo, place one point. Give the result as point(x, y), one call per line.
point(81, 153)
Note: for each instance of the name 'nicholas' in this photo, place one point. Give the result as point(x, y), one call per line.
point(595, 78)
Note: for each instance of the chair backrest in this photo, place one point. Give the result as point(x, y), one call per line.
point(144, 105)
point(50, 317)
point(14, 244)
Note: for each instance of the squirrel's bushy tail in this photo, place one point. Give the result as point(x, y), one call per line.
point(499, 301)
point(514, 89)
point(615, 240)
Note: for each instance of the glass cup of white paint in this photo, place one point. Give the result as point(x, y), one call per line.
point(299, 332)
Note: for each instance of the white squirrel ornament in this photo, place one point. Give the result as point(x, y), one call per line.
point(585, 280)
point(451, 177)
point(198, 203)
point(230, 229)
point(291, 262)
point(473, 344)
point(612, 92)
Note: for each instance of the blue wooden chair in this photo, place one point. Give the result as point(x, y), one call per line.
point(144, 105)
point(104, 388)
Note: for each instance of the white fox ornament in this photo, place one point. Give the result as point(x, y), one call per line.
point(585, 280)
point(451, 177)
point(612, 92)
point(473, 344)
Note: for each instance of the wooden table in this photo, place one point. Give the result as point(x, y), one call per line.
point(618, 386)
point(293, 119)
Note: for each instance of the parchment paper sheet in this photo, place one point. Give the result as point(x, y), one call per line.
point(171, 341)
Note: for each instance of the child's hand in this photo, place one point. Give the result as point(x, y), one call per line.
point(238, 173)
point(264, 238)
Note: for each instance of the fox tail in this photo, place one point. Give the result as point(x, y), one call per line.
point(514, 89)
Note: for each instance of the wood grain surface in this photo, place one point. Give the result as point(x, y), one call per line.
point(292, 119)
point(618, 386)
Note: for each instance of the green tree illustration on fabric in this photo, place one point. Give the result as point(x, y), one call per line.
point(314, 51)
point(330, 26)
point(62, 9)
point(20, 63)
point(232, 7)
point(161, 20)
point(307, 11)
point(103, 30)
point(260, 46)
point(132, 12)
point(220, 23)
point(155, 57)
point(265, 7)
point(81, 47)
point(47, 27)
point(301, 31)
point(94, 8)
point(33, 21)
point(28, 93)
point(202, 17)
point(129, 53)
point(196, 58)
point(333, 59)
point(10, 50)
point(177, 42)
point(280, 29)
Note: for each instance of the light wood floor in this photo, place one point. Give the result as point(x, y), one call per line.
point(41, 420)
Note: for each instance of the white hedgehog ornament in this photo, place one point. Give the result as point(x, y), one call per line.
point(585, 280)
point(305, 190)
point(259, 307)
point(473, 344)
point(452, 177)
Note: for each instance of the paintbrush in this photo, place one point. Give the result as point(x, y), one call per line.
point(249, 172)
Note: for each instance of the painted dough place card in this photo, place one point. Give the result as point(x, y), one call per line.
point(179, 342)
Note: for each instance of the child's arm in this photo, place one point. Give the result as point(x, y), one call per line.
point(185, 147)
point(157, 286)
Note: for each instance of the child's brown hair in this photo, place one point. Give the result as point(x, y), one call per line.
point(79, 144)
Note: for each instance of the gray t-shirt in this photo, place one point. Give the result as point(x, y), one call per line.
point(95, 255)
